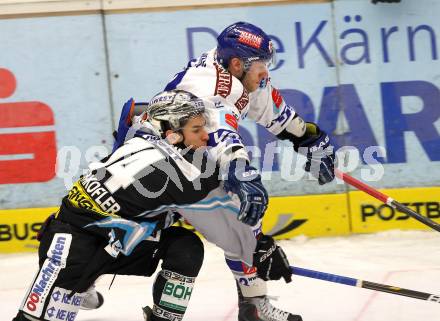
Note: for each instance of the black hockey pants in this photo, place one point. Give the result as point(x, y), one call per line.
point(70, 260)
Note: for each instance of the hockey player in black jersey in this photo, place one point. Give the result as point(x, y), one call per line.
point(116, 219)
point(103, 226)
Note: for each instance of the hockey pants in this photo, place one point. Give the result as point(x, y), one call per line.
point(70, 260)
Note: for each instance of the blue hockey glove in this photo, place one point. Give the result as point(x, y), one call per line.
point(245, 181)
point(315, 145)
point(124, 124)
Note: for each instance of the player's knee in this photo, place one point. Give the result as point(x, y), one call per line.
point(185, 254)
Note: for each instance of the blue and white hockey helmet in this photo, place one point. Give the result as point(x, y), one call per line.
point(244, 41)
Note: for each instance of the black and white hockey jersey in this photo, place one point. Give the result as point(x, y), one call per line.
point(130, 195)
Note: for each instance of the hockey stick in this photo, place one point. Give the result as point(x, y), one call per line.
point(364, 284)
point(386, 199)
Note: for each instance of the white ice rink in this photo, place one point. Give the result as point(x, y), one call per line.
point(406, 259)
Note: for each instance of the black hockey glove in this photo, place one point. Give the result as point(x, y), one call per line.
point(245, 181)
point(376, 1)
point(271, 261)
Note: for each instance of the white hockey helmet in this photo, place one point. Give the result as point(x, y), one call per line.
point(171, 110)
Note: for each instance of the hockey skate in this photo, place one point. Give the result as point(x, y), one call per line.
point(92, 299)
point(260, 309)
point(147, 313)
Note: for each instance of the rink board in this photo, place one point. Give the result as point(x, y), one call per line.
point(370, 215)
point(311, 215)
point(342, 64)
point(19, 227)
point(287, 217)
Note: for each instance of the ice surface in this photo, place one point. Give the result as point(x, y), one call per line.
point(405, 259)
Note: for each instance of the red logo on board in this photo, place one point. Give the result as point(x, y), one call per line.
point(27, 149)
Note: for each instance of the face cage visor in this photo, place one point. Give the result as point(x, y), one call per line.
point(268, 62)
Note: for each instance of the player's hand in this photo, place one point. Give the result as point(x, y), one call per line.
point(245, 181)
point(271, 261)
point(315, 145)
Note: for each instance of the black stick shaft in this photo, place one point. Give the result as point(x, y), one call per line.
point(400, 291)
point(364, 284)
point(415, 215)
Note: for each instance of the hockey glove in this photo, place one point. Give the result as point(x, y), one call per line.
point(315, 145)
point(245, 181)
point(271, 261)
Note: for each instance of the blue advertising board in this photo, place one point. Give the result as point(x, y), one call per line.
point(367, 74)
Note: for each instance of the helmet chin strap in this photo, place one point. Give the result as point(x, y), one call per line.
point(241, 78)
point(243, 74)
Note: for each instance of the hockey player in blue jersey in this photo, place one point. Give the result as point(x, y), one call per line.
point(234, 76)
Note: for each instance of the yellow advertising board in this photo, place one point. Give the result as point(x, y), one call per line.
point(370, 215)
point(314, 215)
point(19, 227)
point(311, 215)
point(286, 217)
